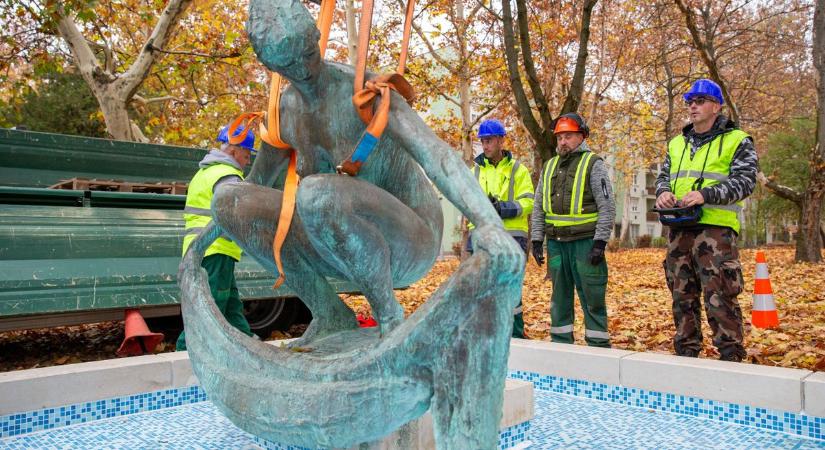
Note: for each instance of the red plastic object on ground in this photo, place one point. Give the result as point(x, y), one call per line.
point(139, 339)
point(366, 322)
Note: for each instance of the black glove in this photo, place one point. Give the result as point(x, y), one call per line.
point(496, 204)
point(596, 255)
point(538, 252)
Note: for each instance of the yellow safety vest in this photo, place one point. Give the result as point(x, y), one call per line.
point(715, 156)
point(580, 214)
point(509, 181)
point(198, 214)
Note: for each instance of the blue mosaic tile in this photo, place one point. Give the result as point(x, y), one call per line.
point(191, 426)
point(564, 421)
point(49, 418)
point(569, 414)
point(507, 439)
point(745, 415)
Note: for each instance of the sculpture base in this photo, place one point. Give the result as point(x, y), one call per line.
point(518, 411)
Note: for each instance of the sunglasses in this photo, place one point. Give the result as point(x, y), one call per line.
point(698, 100)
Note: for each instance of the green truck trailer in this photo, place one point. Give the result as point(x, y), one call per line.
point(71, 256)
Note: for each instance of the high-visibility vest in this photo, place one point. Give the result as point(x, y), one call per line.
point(509, 181)
point(198, 214)
point(715, 156)
point(569, 206)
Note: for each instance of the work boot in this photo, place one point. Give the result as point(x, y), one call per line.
point(689, 353)
point(735, 357)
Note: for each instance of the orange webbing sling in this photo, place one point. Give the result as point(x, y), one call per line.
point(365, 93)
point(363, 99)
point(272, 136)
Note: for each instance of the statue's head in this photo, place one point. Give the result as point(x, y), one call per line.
point(285, 38)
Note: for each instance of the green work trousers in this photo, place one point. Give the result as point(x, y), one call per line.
point(570, 269)
point(221, 270)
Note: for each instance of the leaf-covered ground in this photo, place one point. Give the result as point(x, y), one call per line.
point(639, 306)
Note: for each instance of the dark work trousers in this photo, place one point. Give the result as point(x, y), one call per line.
point(518, 315)
point(570, 270)
point(705, 262)
point(221, 270)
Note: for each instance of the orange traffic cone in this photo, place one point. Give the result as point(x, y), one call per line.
point(139, 339)
point(763, 314)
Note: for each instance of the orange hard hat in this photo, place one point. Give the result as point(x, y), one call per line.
point(567, 124)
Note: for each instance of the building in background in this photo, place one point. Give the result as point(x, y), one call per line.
point(634, 200)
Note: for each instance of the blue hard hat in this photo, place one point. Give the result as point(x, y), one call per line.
point(705, 88)
point(491, 127)
point(248, 142)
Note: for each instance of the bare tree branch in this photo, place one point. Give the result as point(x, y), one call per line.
point(706, 51)
point(522, 102)
point(162, 33)
point(574, 95)
point(529, 67)
point(235, 54)
point(780, 190)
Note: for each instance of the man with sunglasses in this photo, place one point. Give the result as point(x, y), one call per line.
point(711, 165)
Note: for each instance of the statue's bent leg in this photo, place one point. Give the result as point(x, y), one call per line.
point(474, 311)
point(248, 214)
point(369, 236)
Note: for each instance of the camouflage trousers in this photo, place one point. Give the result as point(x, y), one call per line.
point(705, 262)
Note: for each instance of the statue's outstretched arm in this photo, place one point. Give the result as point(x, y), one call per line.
point(441, 163)
point(269, 163)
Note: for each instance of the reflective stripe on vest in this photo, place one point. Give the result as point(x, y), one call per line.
point(511, 188)
point(685, 170)
point(575, 215)
point(197, 212)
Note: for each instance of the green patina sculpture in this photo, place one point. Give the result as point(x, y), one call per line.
point(379, 230)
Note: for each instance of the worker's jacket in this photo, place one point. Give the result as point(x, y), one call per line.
point(711, 163)
point(215, 167)
point(509, 182)
point(570, 210)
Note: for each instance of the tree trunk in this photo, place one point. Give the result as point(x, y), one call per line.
point(464, 96)
point(625, 226)
point(808, 241)
point(352, 33)
point(809, 245)
point(115, 114)
point(541, 131)
point(114, 91)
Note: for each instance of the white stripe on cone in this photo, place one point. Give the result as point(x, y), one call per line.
point(763, 302)
point(762, 271)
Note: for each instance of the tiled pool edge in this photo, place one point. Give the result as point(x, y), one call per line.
point(791, 423)
point(24, 423)
point(602, 372)
point(770, 398)
point(508, 438)
point(56, 417)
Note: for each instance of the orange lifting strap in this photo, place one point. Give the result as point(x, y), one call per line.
point(363, 99)
point(365, 93)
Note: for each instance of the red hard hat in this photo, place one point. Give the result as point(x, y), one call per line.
point(566, 124)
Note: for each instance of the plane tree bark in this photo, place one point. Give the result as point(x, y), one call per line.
point(115, 90)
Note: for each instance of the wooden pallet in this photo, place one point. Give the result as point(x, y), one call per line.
point(85, 184)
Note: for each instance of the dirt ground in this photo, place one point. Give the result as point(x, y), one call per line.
point(639, 314)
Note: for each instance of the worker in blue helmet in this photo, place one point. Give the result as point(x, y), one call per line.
point(219, 166)
point(248, 142)
point(509, 187)
point(709, 168)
